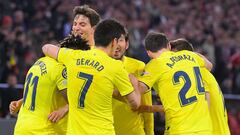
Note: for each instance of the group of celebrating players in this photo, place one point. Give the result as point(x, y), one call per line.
point(86, 86)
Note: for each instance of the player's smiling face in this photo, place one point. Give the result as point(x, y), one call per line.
point(82, 27)
point(122, 47)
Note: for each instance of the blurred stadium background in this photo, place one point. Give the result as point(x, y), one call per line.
point(212, 26)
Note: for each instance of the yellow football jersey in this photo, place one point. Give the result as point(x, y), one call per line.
point(218, 111)
point(127, 122)
point(41, 96)
point(180, 87)
point(92, 77)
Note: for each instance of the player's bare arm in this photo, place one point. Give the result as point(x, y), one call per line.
point(143, 88)
point(116, 95)
point(15, 106)
point(151, 108)
point(50, 50)
point(134, 98)
point(57, 115)
point(64, 94)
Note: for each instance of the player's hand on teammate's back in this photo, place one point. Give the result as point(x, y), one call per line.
point(55, 116)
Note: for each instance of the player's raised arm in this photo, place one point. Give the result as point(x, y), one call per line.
point(50, 50)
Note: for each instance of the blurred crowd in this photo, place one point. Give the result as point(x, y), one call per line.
point(212, 26)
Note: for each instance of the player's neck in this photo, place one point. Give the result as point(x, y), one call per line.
point(122, 58)
point(158, 53)
point(104, 49)
point(91, 43)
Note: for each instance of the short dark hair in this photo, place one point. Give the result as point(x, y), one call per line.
point(106, 31)
point(74, 42)
point(126, 35)
point(155, 41)
point(90, 13)
point(181, 44)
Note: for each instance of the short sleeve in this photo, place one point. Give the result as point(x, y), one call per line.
point(60, 76)
point(140, 69)
point(206, 86)
point(151, 73)
point(64, 54)
point(200, 60)
point(208, 80)
point(122, 81)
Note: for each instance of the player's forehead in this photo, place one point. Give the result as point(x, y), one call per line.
point(122, 37)
point(81, 19)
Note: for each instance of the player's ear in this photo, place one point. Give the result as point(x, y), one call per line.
point(127, 45)
point(93, 29)
point(149, 53)
point(169, 46)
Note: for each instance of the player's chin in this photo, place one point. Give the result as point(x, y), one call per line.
point(79, 34)
point(117, 57)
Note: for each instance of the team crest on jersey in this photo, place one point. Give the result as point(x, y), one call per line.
point(64, 73)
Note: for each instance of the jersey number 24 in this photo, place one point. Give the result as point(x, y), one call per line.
point(187, 84)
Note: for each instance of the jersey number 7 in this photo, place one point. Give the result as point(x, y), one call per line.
point(187, 85)
point(84, 89)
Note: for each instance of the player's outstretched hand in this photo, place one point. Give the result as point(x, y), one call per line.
point(55, 116)
point(15, 106)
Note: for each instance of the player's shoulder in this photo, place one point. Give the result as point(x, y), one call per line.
point(156, 61)
point(186, 52)
point(68, 52)
point(47, 59)
point(115, 65)
point(164, 56)
point(134, 61)
point(189, 55)
point(50, 63)
point(65, 50)
point(118, 63)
